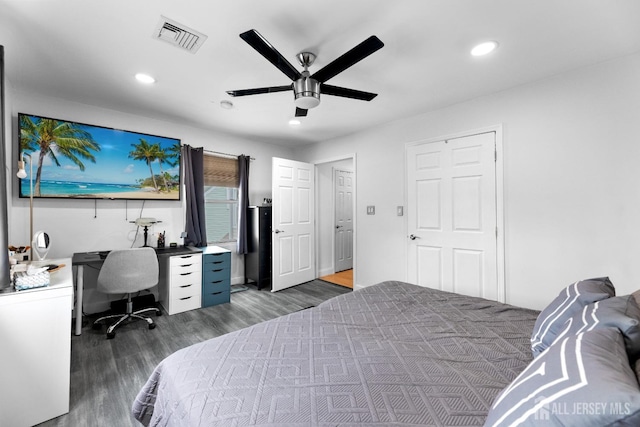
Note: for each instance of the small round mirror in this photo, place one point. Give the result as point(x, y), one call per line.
point(40, 245)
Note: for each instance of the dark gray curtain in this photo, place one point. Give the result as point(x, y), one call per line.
point(243, 203)
point(196, 227)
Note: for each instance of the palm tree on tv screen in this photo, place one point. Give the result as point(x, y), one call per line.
point(54, 138)
point(167, 156)
point(148, 153)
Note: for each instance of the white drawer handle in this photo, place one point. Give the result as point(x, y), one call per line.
point(185, 298)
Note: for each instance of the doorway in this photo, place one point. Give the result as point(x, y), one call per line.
point(335, 220)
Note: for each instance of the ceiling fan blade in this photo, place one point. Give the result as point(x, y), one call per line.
point(259, 90)
point(345, 61)
point(347, 93)
point(259, 43)
point(301, 112)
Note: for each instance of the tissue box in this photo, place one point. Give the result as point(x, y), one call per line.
point(22, 280)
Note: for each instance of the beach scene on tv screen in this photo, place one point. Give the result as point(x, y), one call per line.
point(74, 160)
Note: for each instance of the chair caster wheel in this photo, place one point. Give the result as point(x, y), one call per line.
point(96, 326)
point(111, 335)
point(152, 325)
point(159, 312)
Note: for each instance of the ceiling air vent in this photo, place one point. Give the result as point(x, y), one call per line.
point(179, 35)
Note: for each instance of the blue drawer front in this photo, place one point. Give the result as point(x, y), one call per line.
point(222, 260)
point(216, 286)
point(215, 274)
point(215, 298)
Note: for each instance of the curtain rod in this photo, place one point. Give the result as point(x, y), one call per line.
point(222, 154)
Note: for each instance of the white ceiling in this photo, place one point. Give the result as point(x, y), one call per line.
point(89, 50)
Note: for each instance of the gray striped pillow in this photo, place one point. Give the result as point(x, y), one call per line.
point(571, 300)
point(617, 312)
point(581, 380)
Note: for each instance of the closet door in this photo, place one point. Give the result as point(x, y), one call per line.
point(452, 216)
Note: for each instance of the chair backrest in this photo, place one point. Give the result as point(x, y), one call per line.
point(128, 270)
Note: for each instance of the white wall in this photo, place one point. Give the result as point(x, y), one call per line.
point(85, 225)
point(572, 180)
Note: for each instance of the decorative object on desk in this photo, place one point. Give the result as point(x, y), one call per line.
point(266, 201)
point(161, 239)
point(19, 253)
point(52, 268)
point(32, 278)
point(173, 245)
point(41, 244)
point(146, 223)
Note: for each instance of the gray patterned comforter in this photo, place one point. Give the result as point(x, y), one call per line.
point(389, 354)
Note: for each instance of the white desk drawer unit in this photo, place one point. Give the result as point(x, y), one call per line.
point(181, 282)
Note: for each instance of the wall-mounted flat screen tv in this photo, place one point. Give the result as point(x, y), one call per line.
point(77, 160)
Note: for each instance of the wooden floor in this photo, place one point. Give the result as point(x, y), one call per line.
point(342, 278)
point(106, 375)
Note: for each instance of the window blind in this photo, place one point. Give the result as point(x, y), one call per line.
point(220, 171)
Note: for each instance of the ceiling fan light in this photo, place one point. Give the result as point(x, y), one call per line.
point(306, 92)
point(307, 101)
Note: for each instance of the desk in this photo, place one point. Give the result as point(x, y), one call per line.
point(35, 355)
point(80, 259)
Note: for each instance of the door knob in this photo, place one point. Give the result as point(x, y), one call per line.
point(414, 237)
point(278, 231)
point(339, 226)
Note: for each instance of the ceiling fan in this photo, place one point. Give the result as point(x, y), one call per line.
point(306, 86)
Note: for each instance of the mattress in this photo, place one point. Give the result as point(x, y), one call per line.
point(388, 354)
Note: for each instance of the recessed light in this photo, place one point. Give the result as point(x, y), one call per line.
point(294, 122)
point(145, 78)
point(484, 48)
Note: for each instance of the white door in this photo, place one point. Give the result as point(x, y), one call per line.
point(343, 184)
point(451, 214)
point(292, 223)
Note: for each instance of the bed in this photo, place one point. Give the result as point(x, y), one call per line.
point(389, 354)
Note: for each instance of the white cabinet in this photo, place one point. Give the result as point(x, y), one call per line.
point(180, 286)
point(35, 350)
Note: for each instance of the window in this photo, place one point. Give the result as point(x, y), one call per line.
point(221, 208)
point(221, 198)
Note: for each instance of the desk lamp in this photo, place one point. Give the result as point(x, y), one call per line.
point(146, 223)
point(23, 174)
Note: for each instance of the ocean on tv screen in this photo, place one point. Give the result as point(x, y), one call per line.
point(66, 188)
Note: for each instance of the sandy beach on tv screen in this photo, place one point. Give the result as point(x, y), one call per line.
point(137, 194)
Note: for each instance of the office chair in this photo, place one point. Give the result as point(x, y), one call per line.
point(128, 271)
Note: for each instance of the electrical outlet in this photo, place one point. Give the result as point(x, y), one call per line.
point(400, 210)
point(371, 210)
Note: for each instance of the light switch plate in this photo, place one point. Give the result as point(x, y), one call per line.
point(400, 210)
point(371, 210)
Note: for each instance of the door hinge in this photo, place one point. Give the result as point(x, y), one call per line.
point(495, 156)
point(496, 232)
